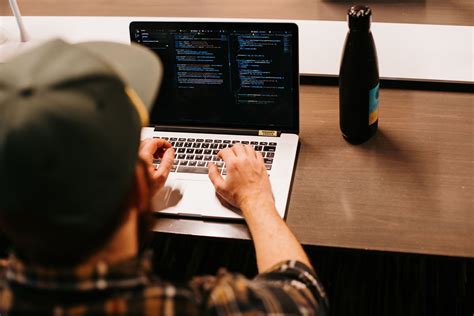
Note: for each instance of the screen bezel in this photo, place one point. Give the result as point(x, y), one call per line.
point(244, 26)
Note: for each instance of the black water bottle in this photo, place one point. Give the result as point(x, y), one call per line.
point(359, 79)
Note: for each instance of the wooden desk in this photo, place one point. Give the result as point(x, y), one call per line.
point(409, 189)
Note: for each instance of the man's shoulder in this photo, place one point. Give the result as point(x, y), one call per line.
point(289, 287)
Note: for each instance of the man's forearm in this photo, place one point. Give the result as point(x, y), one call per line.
point(274, 242)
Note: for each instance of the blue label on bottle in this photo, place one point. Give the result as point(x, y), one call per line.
point(374, 104)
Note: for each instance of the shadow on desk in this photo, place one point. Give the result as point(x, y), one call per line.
point(357, 282)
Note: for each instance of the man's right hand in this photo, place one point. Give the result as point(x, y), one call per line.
point(247, 180)
point(247, 186)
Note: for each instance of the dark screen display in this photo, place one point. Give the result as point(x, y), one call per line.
point(237, 75)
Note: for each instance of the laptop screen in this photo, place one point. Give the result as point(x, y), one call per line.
point(225, 75)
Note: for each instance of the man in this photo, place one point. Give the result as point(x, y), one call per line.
point(75, 197)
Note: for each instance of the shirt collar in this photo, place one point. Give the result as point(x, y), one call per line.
point(125, 274)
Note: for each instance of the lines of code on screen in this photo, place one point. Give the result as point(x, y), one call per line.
point(223, 76)
point(198, 60)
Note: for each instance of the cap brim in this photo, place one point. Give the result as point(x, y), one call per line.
point(138, 67)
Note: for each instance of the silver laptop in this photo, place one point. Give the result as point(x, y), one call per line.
point(224, 83)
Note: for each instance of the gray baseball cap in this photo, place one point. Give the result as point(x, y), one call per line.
point(70, 123)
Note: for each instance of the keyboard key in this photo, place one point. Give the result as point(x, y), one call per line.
point(267, 161)
point(198, 151)
point(215, 158)
point(184, 163)
point(181, 150)
point(270, 155)
point(165, 138)
point(207, 157)
point(201, 163)
point(201, 170)
point(173, 139)
point(200, 140)
point(245, 142)
point(198, 157)
point(205, 145)
point(269, 167)
point(181, 156)
point(190, 151)
point(196, 145)
point(272, 144)
point(215, 152)
point(208, 140)
point(190, 157)
point(253, 143)
point(188, 145)
point(219, 164)
point(263, 143)
point(178, 144)
point(207, 152)
point(269, 148)
point(226, 141)
point(192, 163)
point(182, 139)
point(175, 162)
point(258, 148)
point(191, 140)
point(222, 146)
point(235, 141)
point(214, 146)
point(173, 168)
point(217, 141)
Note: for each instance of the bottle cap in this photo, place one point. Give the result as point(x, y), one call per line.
point(359, 17)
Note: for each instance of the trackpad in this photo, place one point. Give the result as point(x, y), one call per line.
point(192, 198)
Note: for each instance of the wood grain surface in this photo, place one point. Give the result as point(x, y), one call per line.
point(455, 12)
point(408, 189)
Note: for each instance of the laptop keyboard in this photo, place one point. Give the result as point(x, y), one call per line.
point(192, 155)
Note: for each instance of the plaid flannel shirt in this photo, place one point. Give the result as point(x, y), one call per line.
point(131, 288)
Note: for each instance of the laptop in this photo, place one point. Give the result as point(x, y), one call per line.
point(224, 83)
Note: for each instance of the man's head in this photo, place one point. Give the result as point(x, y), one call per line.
point(70, 122)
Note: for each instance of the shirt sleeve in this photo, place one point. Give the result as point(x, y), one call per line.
point(288, 288)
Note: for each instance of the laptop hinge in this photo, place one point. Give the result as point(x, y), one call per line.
point(216, 130)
